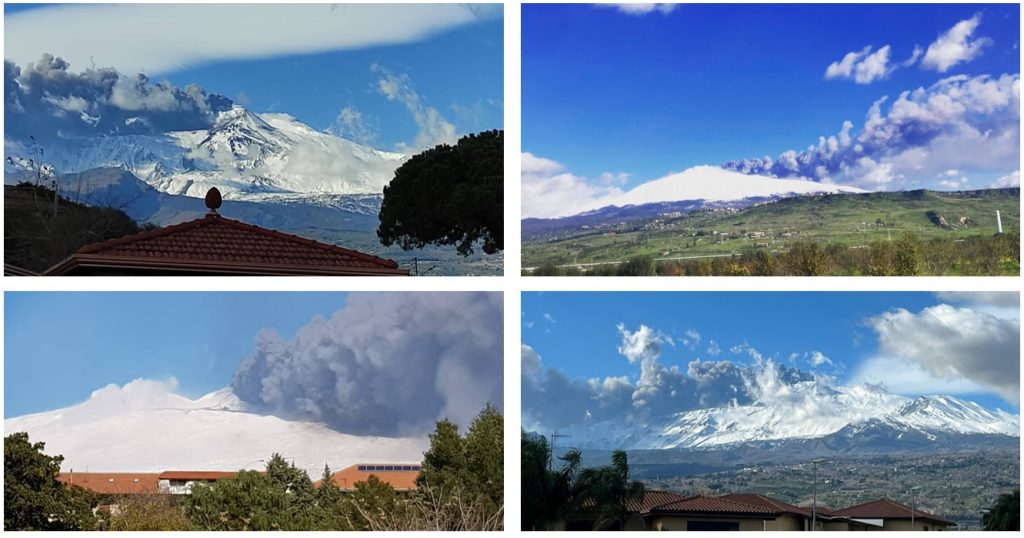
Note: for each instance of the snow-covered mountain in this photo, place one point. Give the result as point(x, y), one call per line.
point(145, 427)
point(848, 411)
point(715, 184)
point(248, 156)
point(697, 188)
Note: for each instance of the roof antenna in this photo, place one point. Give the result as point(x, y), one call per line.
point(213, 201)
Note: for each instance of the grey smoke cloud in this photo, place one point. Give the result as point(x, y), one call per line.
point(47, 99)
point(959, 122)
point(386, 364)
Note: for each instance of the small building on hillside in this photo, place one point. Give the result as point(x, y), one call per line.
point(214, 245)
point(888, 515)
point(181, 482)
point(400, 476)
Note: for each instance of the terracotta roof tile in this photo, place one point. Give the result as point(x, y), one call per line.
point(887, 509)
point(718, 505)
point(348, 477)
point(196, 475)
point(652, 499)
point(113, 483)
point(214, 240)
point(770, 503)
point(666, 501)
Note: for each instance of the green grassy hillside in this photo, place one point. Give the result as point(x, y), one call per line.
point(841, 221)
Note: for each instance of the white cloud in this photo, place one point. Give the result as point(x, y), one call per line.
point(644, 343)
point(352, 124)
point(995, 298)
point(549, 318)
point(954, 184)
point(434, 129)
point(713, 349)
point(691, 339)
point(955, 46)
point(551, 191)
point(955, 344)
point(863, 67)
point(641, 9)
point(1009, 180)
point(163, 38)
point(913, 57)
point(818, 358)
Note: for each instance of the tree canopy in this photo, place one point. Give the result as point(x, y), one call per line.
point(448, 195)
point(1004, 514)
point(599, 494)
point(33, 497)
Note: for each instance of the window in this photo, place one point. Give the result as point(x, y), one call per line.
point(712, 525)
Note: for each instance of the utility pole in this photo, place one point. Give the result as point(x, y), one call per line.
point(814, 494)
point(913, 498)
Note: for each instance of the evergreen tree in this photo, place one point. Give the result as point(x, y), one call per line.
point(485, 454)
point(373, 501)
point(246, 501)
point(448, 195)
point(33, 497)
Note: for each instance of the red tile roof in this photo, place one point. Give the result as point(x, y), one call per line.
point(196, 475)
point(765, 501)
point(653, 499)
point(716, 505)
point(668, 502)
point(113, 483)
point(216, 244)
point(887, 509)
point(348, 477)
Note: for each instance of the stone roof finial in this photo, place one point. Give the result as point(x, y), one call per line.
point(213, 200)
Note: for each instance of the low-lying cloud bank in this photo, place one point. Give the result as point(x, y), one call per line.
point(386, 364)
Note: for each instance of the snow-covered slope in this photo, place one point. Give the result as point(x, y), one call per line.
point(256, 157)
point(712, 183)
point(809, 415)
point(145, 427)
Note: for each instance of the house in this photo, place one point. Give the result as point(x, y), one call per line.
point(113, 483)
point(400, 476)
point(181, 482)
point(668, 511)
point(701, 513)
point(888, 515)
point(214, 245)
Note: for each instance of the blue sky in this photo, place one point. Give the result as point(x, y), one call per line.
point(578, 334)
point(59, 347)
point(451, 56)
point(649, 94)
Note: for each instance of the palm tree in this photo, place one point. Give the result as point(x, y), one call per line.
point(607, 492)
point(547, 494)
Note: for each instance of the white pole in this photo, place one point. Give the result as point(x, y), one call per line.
point(999, 223)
